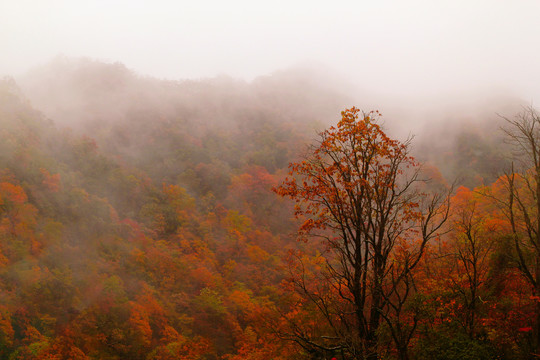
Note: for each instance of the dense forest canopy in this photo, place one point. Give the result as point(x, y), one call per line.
point(138, 221)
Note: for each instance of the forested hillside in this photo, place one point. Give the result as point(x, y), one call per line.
point(139, 217)
point(139, 220)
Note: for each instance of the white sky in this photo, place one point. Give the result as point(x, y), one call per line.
point(393, 47)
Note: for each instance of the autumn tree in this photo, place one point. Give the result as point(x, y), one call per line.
point(459, 279)
point(361, 193)
point(471, 251)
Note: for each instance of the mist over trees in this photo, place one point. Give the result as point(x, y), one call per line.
point(138, 221)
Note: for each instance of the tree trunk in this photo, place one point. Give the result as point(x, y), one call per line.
point(403, 353)
point(537, 294)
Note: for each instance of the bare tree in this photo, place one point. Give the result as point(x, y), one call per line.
point(522, 204)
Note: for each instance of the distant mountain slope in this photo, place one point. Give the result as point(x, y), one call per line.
point(103, 258)
point(466, 142)
point(169, 128)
